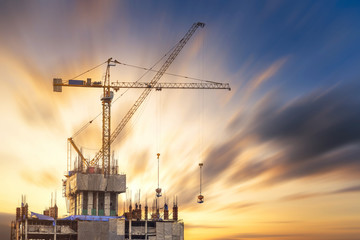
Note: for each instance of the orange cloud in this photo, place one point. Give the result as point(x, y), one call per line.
point(44, 178)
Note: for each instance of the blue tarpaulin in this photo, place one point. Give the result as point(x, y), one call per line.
point(76, 217)
point(41, 217)
point(90, 218)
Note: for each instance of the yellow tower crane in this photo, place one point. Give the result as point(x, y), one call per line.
point(106, 99)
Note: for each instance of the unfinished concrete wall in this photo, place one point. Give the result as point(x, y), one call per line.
point(168, 230)
point(95, 182)
point(112, 230)
point(93, 230)
point(117, 229)
point(93, 194)
point(178, 231)
point(160, 231)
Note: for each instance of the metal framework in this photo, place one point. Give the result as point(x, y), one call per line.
point(106, 119)
point(158, 86)
point(146, 92)
point(107, 138)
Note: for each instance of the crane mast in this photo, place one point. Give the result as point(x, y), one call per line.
point(104, 151)
point(106, 120)
point(106, 99)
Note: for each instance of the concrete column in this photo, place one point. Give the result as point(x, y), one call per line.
point(73, 205)
point(107, 204)
point(85, 203)
point(130, 229)
point(81, 202)
point(78, 207)
point(26, 229)
point(55, 231)
point(77, 204)
point(96, 195)
point(146, 229)
point(116, 205)
point(90, 202)
point(17, 230)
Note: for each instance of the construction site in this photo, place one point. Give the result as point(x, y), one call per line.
point(92, 186)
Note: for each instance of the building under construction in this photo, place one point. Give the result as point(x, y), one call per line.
point(131, 225)
point(93, 208)
point(92, 186)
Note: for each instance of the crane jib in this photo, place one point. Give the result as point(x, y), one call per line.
point(104, 152)
point(146, 92)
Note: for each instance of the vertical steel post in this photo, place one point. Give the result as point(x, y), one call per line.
point(106, 103)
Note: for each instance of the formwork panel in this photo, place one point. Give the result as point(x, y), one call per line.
point(168, 230)
point(120, 227)
point(181, 231)
point(93, 230)
point(178, 230)
point(113, 226)
point(95, 182)
point(114, 232)
point(160, 231)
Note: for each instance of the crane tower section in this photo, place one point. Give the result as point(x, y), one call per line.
point(92, 189)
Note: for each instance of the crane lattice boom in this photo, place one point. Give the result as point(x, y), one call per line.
point(146, 92)
point(104, 152)
point(158, 86)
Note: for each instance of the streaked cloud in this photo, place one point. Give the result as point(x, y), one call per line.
point(348, 189)
point(291, 118)
point(43, 178)
point(238, 207)
point(305, 195)
point(257, 236)
point(265, 75)
point(204, 226)
point(312, 135)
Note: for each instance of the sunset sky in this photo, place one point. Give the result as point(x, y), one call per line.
point(281, 150)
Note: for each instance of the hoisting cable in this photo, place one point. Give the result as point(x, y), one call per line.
point(171, 74)
point(85, 126)
point(89, 70)
point(88, 123)
point(150, 69)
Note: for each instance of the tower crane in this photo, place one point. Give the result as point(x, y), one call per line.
point(106, 99)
